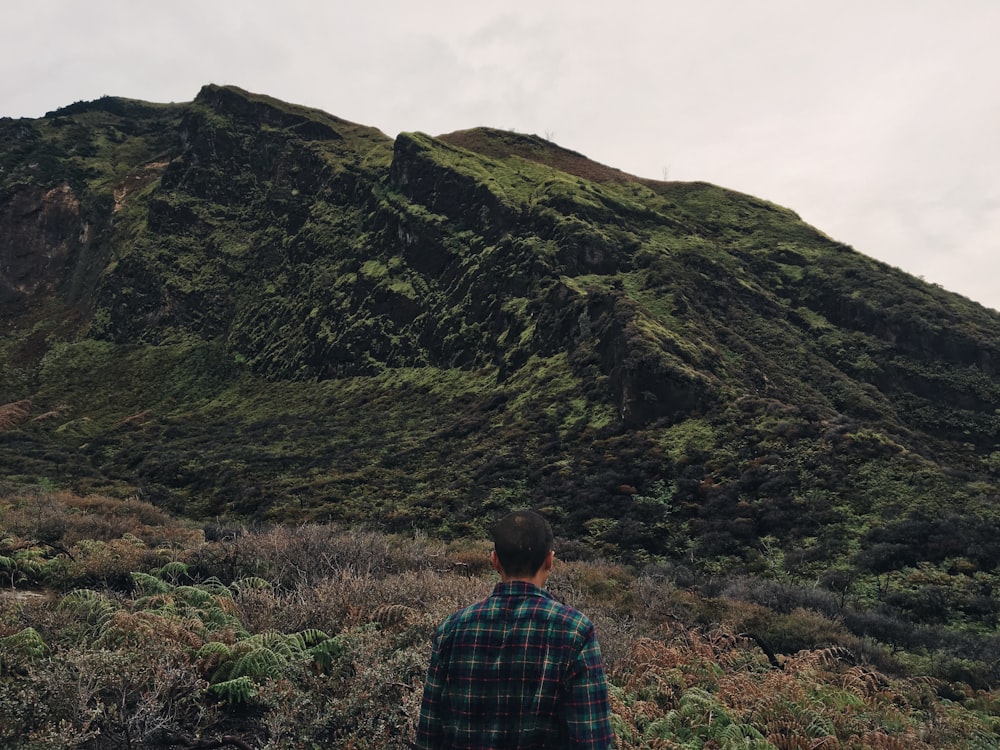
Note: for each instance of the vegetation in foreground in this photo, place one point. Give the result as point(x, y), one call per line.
point(121, 627)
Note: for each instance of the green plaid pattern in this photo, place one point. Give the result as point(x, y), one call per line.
point(517, 670)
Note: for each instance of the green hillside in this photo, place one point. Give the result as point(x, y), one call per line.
point(246, 310)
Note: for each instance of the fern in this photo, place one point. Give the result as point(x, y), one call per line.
point(238, 690)
point(149, 585)
point(393, 614)
point(742, 737)
point(670, 726)
point(214, 611)
point(982, 740)
point(218, 617)
point(325, 653)
point(25, 645)
point(288, 647)
point(737, 733)
point(211, 655)
point(195, 596)
point(28, 561)
point(149, 629)
point(313, 636)
point(700, 705)
point(216, 587)
point(266, 655)
point(94, 607)
point(256, 664)
point(817, 719)
point(24, 561)
point(172, 571)
point(213, 648)
point(165, 604)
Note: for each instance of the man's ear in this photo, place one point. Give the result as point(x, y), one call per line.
point(549, 560)
point(495, 562)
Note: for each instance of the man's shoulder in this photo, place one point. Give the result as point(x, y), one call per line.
point(564, 613)
point(535, 602)
point(471, 612)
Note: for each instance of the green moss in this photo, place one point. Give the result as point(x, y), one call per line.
point(285, 316)
point(688, 440)
point(374, 269)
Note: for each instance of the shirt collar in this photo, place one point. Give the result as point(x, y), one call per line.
point(519, 588)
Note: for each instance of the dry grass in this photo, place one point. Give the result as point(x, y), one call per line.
point(675, 684)
point(13, 414)
point(70, 519)
point(817, 700)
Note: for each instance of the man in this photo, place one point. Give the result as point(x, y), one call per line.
point(519, 669)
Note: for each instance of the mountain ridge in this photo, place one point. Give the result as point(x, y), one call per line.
point(240, 307)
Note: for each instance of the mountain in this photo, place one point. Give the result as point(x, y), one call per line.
point(242, 308)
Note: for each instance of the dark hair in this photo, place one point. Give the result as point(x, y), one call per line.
point(523, 539)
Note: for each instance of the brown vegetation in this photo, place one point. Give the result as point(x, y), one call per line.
point(159, 634)
point(13, 414)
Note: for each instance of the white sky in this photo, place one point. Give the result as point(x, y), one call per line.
point(878, 121)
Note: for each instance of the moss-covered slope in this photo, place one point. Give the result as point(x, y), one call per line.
point(241, 306)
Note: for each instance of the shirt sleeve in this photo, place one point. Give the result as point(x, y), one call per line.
point(587, 708)
point(429, 725)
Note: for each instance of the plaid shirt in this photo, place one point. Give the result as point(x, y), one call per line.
point(517, 670)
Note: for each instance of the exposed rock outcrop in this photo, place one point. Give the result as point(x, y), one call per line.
point(40, 229)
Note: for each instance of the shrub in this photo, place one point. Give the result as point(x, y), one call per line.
point(321, 637)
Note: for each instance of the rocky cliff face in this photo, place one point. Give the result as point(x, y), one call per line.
point(282, 314)
point(41, 231)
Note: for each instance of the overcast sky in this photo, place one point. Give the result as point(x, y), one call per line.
point(878, 121)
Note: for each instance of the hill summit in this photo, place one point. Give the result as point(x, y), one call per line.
point(242, 308)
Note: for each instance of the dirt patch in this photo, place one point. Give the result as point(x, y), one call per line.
point(137, 181)
point(25, 596)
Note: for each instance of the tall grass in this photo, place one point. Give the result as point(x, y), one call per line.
point(122, 627)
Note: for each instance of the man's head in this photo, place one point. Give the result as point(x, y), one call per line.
point(523, 543)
